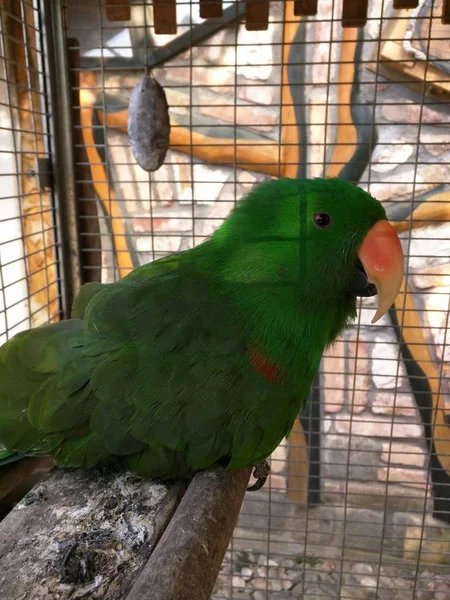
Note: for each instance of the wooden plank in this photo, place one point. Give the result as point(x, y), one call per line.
point(198, 536)
point(17, 478)
point(396, 63)
point(429, 36)
point(36, 204)
point(446, 12)
point(83, 533)
point(165, 17)
point(402, 4)
point(354, 14)
point(305, 8)
point(257, 15)
point(211, 9)
point(118, 10)
point(106, 533)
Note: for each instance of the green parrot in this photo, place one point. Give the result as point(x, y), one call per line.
point(204, 357)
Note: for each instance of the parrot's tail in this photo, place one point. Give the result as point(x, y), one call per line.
point(9, 457)
point(29, 362)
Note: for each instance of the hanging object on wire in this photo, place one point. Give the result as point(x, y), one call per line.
point(149, 123)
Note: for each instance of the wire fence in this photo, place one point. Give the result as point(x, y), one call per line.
point(358, 501)
point(29, 244)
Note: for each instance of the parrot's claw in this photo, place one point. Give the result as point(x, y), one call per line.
point(261, 473)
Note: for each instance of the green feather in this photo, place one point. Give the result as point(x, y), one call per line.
point(155, 370)
point(9, 457)
point(85, 295)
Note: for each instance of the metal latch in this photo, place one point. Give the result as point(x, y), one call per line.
point(43, 171)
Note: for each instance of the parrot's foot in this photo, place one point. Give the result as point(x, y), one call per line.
point(261, 473)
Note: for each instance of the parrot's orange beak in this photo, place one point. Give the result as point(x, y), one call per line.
point(381, 255)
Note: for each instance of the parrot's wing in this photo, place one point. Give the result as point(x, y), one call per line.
point(181, 378)
point(91, 289)
point(158, 374)
point(27, 362)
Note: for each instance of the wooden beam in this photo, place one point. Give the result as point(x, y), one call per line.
point(354, 13)
point(17, 478)
point(435, 209)
point(103, 532)
point(253, 155)
point(392, 60)
point(426, 383)
point(86, 532)
point(446, 12)
point(211, 9)
point(298, 465)
point(165, 17)
point(256, 155)
point(257, 15)
point(305, 8)
point(118, 10)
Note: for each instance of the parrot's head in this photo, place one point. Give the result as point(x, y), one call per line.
point(326, 236)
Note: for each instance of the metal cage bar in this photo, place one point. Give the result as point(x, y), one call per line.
point(358, 501)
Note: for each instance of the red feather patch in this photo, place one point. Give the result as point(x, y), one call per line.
point(263, 366)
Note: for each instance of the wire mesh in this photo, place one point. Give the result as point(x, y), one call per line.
point(29, 277)
point(358, 501)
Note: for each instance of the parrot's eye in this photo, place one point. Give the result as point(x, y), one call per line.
point(322, 220)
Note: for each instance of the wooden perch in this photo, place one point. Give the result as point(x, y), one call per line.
point(17, 478)
point(198, 536)
point(96, 533)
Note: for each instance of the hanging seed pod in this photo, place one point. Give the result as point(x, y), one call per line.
point(148, 123)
